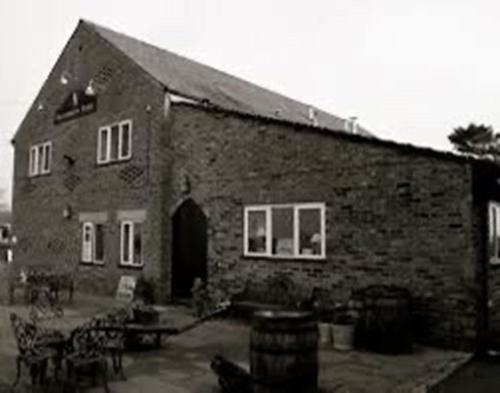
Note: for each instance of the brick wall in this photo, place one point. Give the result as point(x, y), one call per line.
point(123, 92)
point(394, 215)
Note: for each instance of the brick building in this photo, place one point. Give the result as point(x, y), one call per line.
point(135, 161)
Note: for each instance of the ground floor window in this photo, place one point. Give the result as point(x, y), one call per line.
point(93, 243)
point(494, 232)
point(285, 231)
point(131, 243)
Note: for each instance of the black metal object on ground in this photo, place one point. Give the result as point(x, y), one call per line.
point(232, 378)
point(385, 323)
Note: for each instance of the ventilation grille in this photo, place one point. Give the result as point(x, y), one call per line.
point(103, 77)
point(131, 174)
point(28, 187)
point(56, 246)
point(72, 181)
point(24, 245)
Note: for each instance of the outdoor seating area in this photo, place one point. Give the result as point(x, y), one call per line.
point(182, 363)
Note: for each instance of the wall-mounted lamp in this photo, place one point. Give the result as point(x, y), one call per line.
point(69, 160)
point(185, 185)
point(67, 212)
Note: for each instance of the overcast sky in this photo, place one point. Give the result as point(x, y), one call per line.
point(410, 70)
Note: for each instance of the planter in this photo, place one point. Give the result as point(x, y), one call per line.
point(146, 315)
point(325, 334)
point(343, 336)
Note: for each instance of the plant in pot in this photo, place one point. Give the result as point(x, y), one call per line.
point(143, 310)
point(324, 314)
point(343, 325)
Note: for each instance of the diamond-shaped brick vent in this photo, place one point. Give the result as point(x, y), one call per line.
point(131, 174)
point(72, 181)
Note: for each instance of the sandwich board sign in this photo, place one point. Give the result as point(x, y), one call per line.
point(126, 288)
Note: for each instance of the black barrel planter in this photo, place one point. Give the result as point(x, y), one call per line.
point(284, 352)
point(385, 324)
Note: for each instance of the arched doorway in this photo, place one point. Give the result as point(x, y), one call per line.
point(189, 248)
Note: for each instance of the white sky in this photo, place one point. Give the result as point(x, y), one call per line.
point(410, 70)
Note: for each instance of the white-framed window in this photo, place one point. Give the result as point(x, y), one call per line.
point(40, 159)
point(494, 232)
point(114, 142)
point(285, 231)
point(93, 243)
point(131, 243)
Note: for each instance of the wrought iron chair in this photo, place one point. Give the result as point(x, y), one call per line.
point(111, 329)
point(32, 353)
point(87, 352)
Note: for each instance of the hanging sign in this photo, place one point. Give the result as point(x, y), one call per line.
point(77, 104)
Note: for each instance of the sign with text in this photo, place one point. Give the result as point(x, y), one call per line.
point(77, 104)
point(126, 288)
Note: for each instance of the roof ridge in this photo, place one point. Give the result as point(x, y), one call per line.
point(185, 58)
point(205, 83)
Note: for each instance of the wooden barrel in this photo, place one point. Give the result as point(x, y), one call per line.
point(386, 319)
point(284, 352)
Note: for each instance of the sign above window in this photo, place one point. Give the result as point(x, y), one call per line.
point(77, 104)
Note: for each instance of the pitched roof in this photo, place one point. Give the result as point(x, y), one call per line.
point(202, 83)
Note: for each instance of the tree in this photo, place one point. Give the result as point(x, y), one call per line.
point(475, 139)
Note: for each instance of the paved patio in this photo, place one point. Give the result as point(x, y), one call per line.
point(182, 364)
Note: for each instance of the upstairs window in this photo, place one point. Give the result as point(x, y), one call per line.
point(285, 231)
point(40, 159)
point(114, 142)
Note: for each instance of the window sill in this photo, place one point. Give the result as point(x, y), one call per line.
point(275, 258)
point(84, 263)
point(111, 163)
point(495, 262)
point(39, 175)
point(133, 267)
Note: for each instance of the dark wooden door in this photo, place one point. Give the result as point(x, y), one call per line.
point(189, 254)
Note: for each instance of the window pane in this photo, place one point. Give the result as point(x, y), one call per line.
point(137, 244)
point(310, 232)
point(87, 242)
point(47, 158)
point(99, 242)
point(282, 224)
point(257, 231)
point(103, 145)
point(115, 137)
point(33, 164)
point(40, 158)
point(125, 141)
point(126, 243)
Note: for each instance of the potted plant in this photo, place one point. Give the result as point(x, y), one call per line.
point(143, 310)
point(325, 327)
